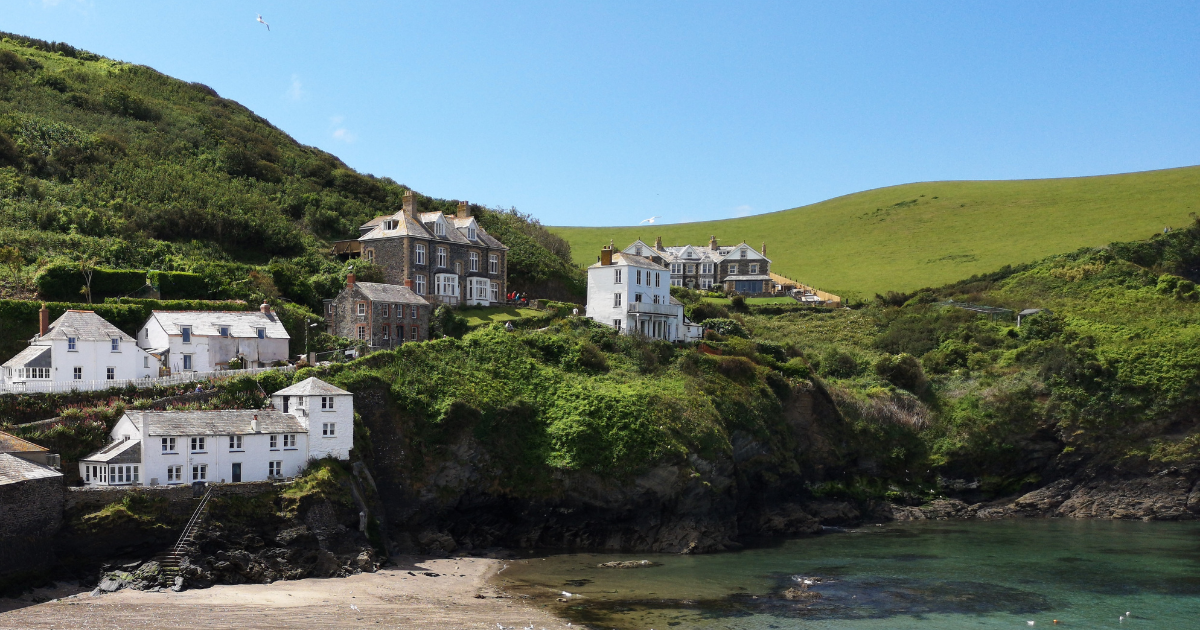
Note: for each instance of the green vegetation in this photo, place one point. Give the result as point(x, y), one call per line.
point(140, 510)
point(323, 480)
point(904, 237)
point(477, 316)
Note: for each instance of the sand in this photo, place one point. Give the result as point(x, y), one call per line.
point(397, 596)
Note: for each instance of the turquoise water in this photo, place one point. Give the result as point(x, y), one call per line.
point(959, 574)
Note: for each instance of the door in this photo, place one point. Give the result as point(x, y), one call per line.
point(237, 473)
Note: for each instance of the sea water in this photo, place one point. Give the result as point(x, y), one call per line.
point(928, 575)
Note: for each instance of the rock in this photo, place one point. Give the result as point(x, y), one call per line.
point(364, 562)
point(629, 564)
point(437, 541)
point(788, 519)
point(109, 585)
point(834, 512)
point(1042, 500)
point(801, 594)
point(327, 564)
point(96, 592)
point(178, 586)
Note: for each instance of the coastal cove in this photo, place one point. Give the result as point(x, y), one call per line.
point(929, 575)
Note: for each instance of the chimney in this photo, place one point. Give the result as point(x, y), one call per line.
point(764, 249)
point(349, 280)
point(254, 424)
point(408, 283)
point(712, 243)
point(658, 243)
point(44, 320)
point(606, 253)
point(264, 307)
point(410, 200)
point(464, 209)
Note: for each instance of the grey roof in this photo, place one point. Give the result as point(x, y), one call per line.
point(621, 258)
point(33, 356)
point(405, 226)
point(1030, 311)
point(378, 292)
point(703, 253)
point(13, 469)
point(311, 386)
point(119, 452)
point(757, 277)
point(10, 443)
point(243, 324)
point(85, 326)
point(224, 422)
point(421, 226)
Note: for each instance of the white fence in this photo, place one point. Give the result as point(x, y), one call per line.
point(55, 387)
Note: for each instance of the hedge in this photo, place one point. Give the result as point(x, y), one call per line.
point(179, 285)
point(63, 281)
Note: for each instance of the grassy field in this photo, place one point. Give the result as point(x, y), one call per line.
point(906, 237)
point(496, 314)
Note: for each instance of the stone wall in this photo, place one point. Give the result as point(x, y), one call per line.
point(30, 516)
point(90, 499)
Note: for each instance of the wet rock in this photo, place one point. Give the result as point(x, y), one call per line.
point(110, 585)
point(800, 594)
point(789, 519)
point(629, 564)
point(327, 564)
point(1045, 499)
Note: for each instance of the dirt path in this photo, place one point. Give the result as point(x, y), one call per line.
point(399, 596)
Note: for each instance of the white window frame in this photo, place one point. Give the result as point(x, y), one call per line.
point(168, 445)
point(273, 443)
point(415, 311)
point(691, 269)
point(261, 333)
point(733, 268)
point(616, 300)
point(236, 443)
point(442, 257)
point(677, 268)
point(753, 268)
point(439, 228)
point(362, 332)
point(328, 429)
point(289, 442)
point(71, 344)
point(495, 292)
point(110, 373)
point(187, 361)
point(676, 282)
point(186, 333)
point(327, 403)
point(362, 309)
point(616, 276)
point(474, 259)
point(77, 373)
point(493, 263)
point(175, 473)
point(275, 469)
point(471, 234)
point(639, 277)
point(415, 333)
point(706, 268)
point(199, 472)
point(224, 331)
point(198, 445)
point(420, 284)
point(706, 283)
point(419, 254)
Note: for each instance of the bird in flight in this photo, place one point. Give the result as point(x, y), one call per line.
point(650, 220)
point(263, 22)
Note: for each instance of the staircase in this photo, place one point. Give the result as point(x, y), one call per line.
point(168, 561)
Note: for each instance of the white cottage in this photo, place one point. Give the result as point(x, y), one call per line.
point(631, 293)
point(79, 346)
point(203, 341)
point(310, 420)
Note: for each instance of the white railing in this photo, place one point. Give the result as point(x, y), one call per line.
point(655, 309)
point(55, 387)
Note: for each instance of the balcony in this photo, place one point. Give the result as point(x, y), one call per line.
point(649, 308)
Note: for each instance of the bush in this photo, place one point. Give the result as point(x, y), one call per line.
point(64, 281)
point(838, 364)
point(797, 368)
point(447, 323)
point(738, 303)
point(726, 327)
point(178, 285)
point(903, 370)
point(702, 311)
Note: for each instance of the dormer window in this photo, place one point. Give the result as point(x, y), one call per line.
point(116, 345)
point(186, 331)
point(262, 333)
point(439, 228)
point(743, 253)
point(471, 233)
point(390, 224)
point(224, 331)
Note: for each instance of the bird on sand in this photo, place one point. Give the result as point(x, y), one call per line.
point(263, 22)
point(650, 220)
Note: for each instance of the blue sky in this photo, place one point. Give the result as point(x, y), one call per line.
point(607, 113)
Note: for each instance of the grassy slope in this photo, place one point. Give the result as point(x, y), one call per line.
point(879, 240)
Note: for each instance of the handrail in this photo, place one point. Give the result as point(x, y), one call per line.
point(54, 387)
point(193, 522)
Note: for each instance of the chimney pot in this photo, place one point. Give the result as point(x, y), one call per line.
point(408, 283)
point(712, 243)
point(44, 320)
point(606, 255)
point(464, 209)
point(264, 307)
point(349, 280)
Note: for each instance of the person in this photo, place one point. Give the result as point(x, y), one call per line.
point(508, 326)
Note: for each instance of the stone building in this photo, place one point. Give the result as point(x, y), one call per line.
point(31, 500)
point(383, 315)
point(737, 269)
point(449, 259)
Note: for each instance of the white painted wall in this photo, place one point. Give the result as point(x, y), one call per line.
point(95, 357)
point(254, 457)
point(308, 410)
point(602, 286)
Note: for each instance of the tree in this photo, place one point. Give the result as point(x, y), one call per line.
point(87, 267)
point(12, 258)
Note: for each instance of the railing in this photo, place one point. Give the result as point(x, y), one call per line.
point(449, 300)
point(55, 387)
point(655, 309)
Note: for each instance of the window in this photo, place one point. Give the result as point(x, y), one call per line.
point(415, 333)
point(116, 345)
point(420, 285)
point(654, 298)
point(37, 372)
point(327, 402)
point(691, 269)
point(274, 469)
point(677, 282)
point(187, 361)
point(676, 267)
point(495, 292)
point(71, 343)
point(743, 253)
point(198, 444)
point(384, 310)
point(639, 276)
point(168, 445)
point(186, 331)
point(471, 233)
point(77, 373)
point(289, 441)
point(385, 332)
point(414, 311)
point(274, 442)
point(439, 228)
point(224, 331)
point(616, 299)
point(706, 283)
point(362, 309)
point(441, 256)
point(617, 324)
point(474, 257)
point(174, 474)
point(706, 268)
point(200, 472)
point(235, 442)
point(390, 224)
point(733, 268)
point(616, 276)
point(493, 263)
point(637, 251)
point(145, 362)
point(419, 254)
point(262, 333)
point(328, 429)
point(458, 267)
point(637, 297)
point(362, 332)
point(657, 279)
point(123, 474)
point(371, 255)
point(110, 373)
point(329, 308)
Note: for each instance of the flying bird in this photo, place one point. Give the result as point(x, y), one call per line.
point(650, 220)
point(263, 22)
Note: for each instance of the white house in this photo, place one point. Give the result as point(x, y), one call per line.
point(204, 341)
point(78, 346)
point(310, 420)
point(631, 293)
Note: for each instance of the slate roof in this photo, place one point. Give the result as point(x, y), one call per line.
point(12, 444)
point(378, 292)
point(33, 356)
point(421, 227)
point(621, 258)
point(241, 324)
point(119, 452)
point(84, 326)
point(756, 277)
point(13, 469)
point(224, 422)
point(311, 386)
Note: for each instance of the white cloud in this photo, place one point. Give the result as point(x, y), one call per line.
point(296, 91)
point(742, 211)
point(340, 132)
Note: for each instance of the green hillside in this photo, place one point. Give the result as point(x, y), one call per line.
point(905, 237)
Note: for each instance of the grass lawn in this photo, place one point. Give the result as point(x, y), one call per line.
point(754, 300)
point(906, 237)
point(491, 314)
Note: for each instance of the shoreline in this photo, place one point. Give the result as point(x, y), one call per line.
point(461, 593)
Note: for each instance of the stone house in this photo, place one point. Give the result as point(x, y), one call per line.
point(204, 341)
point(78, 346)
point(309, 420)
point(383, 315)
point(449, 259)
point(737, 269)
point(31, 500)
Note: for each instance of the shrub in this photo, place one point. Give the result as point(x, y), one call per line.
point(738, 303)
point(726, 327)
point(903, 370)
point(447, 323)
point(838, 364)
point(736, 368)
point(178, 285)
point(63, 282)
point(702, 311)
point(796, 368)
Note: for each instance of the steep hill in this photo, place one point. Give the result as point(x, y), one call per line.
point(117, 162)
point(904, 237)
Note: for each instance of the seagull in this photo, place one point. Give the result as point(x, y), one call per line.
point(650, 220)
point(263, 22)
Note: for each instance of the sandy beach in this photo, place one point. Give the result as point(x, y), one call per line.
point(401, 595)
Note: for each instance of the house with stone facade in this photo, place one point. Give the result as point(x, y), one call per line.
point(383, 315)
point(309, 420)
point(448, 259)
point(31, 500)
point(205, 341)
point(737, 269)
